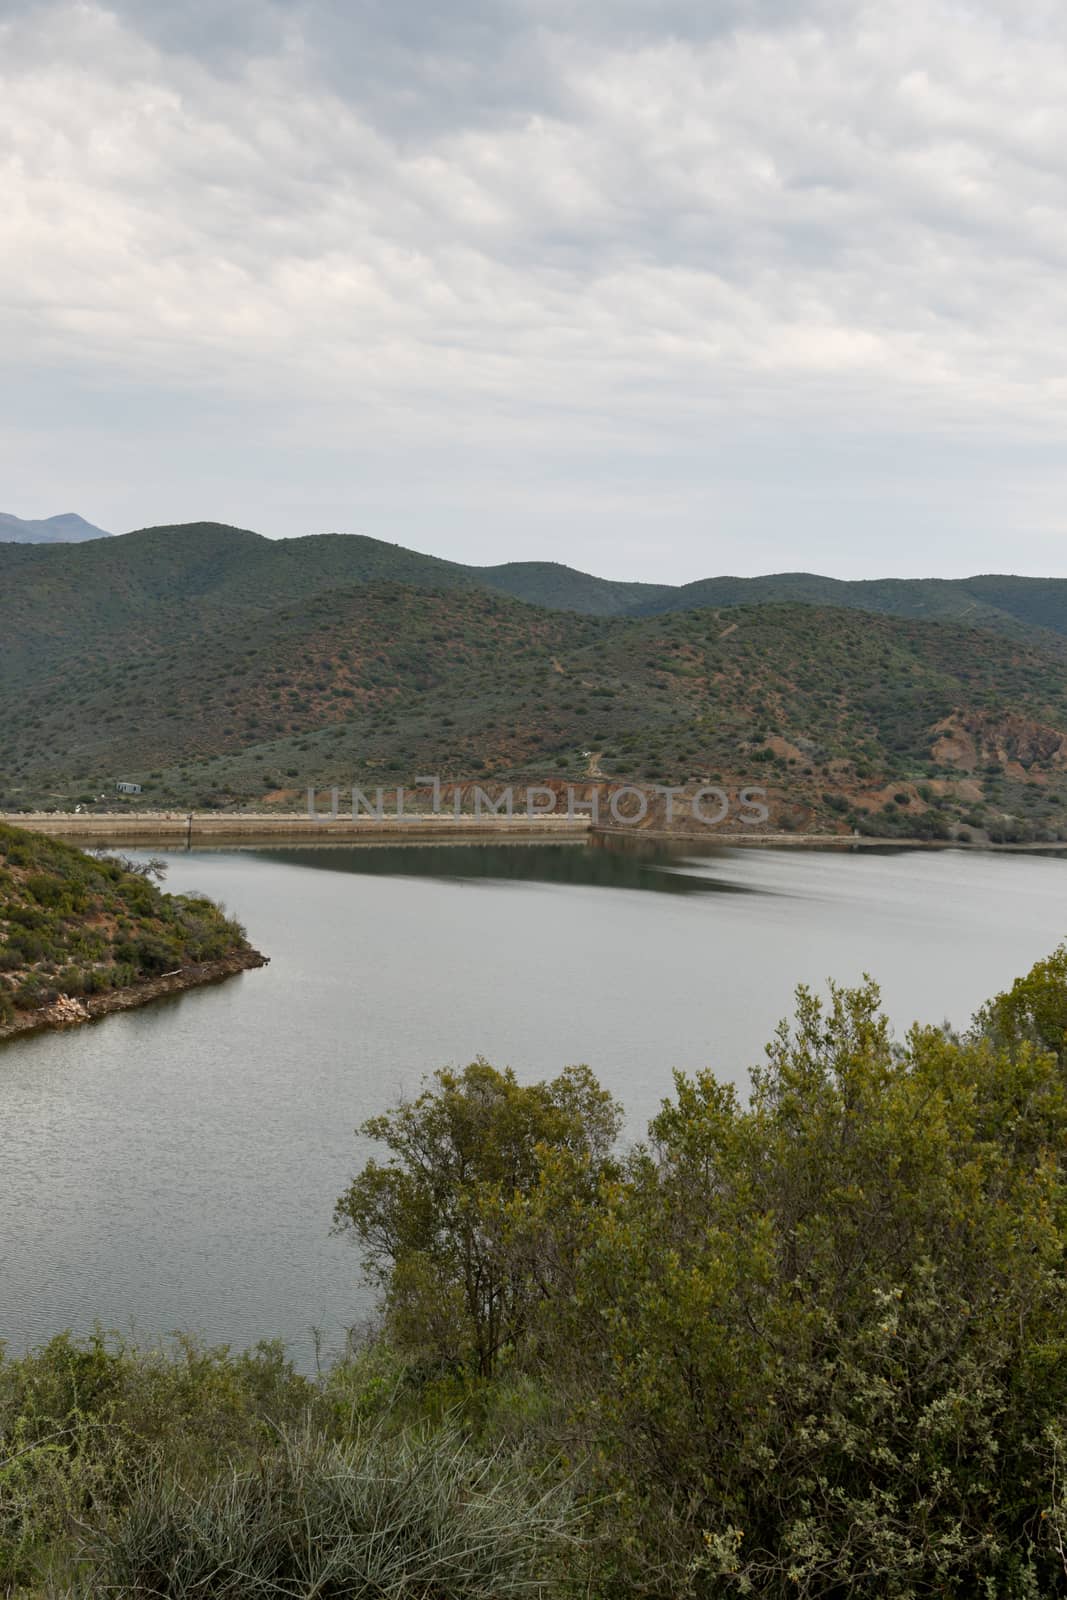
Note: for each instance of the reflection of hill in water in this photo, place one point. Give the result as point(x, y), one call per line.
point(629, 868)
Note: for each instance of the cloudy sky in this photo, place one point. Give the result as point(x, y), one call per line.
point(662, 288)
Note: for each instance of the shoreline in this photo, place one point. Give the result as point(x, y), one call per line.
point(263, 828)
point(70, 1013)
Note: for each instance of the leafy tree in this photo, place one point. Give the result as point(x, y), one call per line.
point(811, 1344)
point(1033, 1010)
point(823, 1338)
point(436, 1220)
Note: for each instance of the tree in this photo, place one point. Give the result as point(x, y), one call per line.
point(811, 1344)
point(825, 1334)
point(437, 1221)
point(1033, 1010)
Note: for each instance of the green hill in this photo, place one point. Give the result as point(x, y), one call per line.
point(547, 583)
point(69, 597)
point(112, 597)
point(1018, 607)
point(217, 667)
point(382, 681)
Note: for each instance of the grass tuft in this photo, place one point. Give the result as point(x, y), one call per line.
point(415, 1516)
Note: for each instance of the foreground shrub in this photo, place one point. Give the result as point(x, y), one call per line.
point(76, 1416)
point(823, 1336)
point(408, 1516)
point(811, 1344)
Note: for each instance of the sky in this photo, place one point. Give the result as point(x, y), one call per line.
point(660, 288)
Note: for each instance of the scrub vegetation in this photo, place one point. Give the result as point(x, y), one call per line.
point(809, 1343)
point(220, 670)
point(75, 924)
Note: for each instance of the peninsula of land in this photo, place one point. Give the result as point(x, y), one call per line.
point(83, 935)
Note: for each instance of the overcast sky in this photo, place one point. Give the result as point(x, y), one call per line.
point(662, 288)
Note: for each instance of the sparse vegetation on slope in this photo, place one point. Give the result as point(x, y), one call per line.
point(76, 925)
point(219, 669)
point(378, 683)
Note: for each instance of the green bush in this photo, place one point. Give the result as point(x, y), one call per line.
point(80, 1419)
point(811, 1345)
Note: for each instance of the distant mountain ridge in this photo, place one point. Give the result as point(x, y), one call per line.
point(222, 565)
point(1000, 602)
point(67, 528)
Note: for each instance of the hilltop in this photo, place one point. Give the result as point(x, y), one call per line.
point(127, 579)
point(81, 935)
point(67, 528)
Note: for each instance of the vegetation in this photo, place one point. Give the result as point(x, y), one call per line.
point(255, 669)
point(813, 1343)
point(225, 566)
point(436, 1222)
point(378, 1514)
point(190, 1471)
point(73, 924)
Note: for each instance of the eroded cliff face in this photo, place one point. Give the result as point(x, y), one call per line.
point(1007, 740)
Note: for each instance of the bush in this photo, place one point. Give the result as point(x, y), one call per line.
point(410, 1517)
point(77, 1418)
point(34, 991)
point(814, 1344)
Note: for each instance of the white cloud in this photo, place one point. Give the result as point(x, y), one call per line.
point(521, 288)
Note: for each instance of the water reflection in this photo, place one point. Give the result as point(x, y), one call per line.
point(637, 866)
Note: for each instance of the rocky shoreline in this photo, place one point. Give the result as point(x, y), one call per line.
point(69, 1012)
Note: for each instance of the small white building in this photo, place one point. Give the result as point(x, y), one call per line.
point(128, 788)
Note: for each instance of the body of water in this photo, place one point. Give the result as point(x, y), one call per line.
point(176, 1167)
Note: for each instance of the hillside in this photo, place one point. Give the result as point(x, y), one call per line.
point(840, 712)
point(67, 528)
point(1022, 604)
point(548, 583)
point(88, 929)
point(161, 584)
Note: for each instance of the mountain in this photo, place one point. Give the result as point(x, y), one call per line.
point(65, 529)
point(1003, 604)
point(216, 667)
point(122, 579)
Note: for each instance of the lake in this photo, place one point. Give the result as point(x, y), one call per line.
point(176, 1167)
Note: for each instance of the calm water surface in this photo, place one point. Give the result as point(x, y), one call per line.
point(176, 1167)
